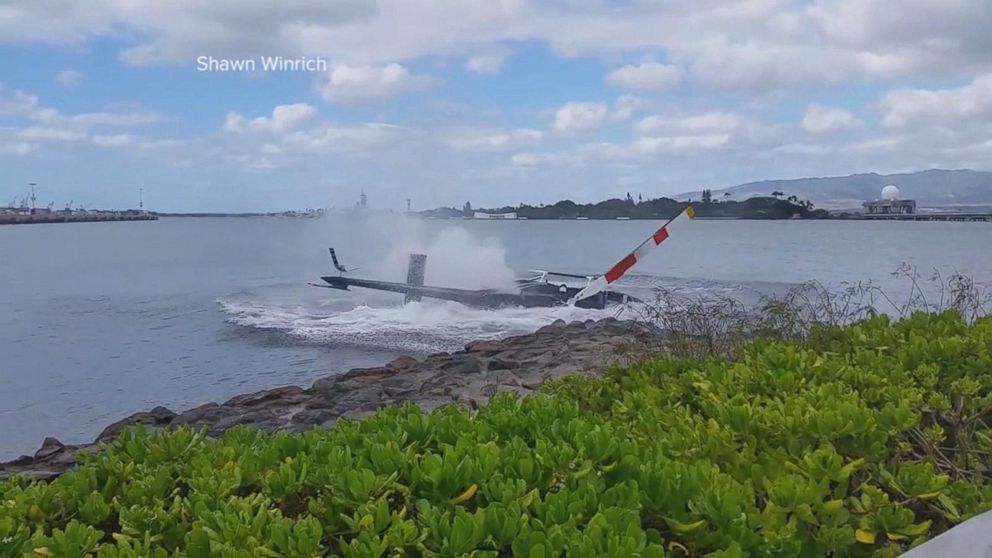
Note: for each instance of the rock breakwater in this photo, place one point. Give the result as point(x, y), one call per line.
point(470, 377)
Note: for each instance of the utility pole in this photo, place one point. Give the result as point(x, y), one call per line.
point(32, 185)
point(408, 204)
point(141, 200)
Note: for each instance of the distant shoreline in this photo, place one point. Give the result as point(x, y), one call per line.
point(217, 215)
point(957, 217)
point(18, 219)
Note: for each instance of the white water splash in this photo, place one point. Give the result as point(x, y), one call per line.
point(455, 258)
point(423, 327)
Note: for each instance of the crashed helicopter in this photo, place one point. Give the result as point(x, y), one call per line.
point(536, 291)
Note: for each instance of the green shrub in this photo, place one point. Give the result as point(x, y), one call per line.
point(871, 441)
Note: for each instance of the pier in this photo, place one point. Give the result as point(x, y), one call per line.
point(968, 217)
point(12, 218)
point(890, 207)
point(27, 214)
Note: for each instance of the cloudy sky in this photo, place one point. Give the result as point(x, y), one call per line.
point(497, 102)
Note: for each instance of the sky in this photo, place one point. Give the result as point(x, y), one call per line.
point(496, 102)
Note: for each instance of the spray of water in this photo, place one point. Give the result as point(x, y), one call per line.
point(423, 327)
point(455, 258)
point(381, 243)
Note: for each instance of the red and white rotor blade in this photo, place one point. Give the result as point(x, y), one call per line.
point(600, 283)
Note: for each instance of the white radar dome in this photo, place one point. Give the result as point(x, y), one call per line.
point(890, 192)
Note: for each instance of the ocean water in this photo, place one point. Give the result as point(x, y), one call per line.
point(98, 320)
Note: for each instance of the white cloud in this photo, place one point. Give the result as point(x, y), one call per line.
point(949, 107)
point(69, 78)
point(532, 160)
point(718, 122)
point(361, 84)
point(820, 119)
point(16, 102)
point(579, 116)
point(765, 44)
point(131, 116)
point(114, 140)
point(475, 139)
point(682, 144)
point(293, 135)
point(688, 135)
point(18, 148)
point(485, 64)
point(45, 133)
point(761, 65)
point(934, 127)
point(626, 106)
point(122, 118)
point(649, 76)
point(284, 118)
point(525, 160)
point(38, 125)
point(329, 137)
point(178, 32)
point(758, 44)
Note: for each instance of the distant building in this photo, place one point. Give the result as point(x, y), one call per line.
point(890, 204)
point(890, 207)
point(481, 215)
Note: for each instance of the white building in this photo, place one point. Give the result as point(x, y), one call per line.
point(481, 215)
point(890, 204)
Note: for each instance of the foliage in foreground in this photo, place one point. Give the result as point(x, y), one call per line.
point(864, 441)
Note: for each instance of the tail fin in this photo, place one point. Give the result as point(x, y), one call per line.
point(415, 276)
point(334, 259)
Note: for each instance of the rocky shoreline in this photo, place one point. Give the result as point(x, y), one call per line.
point(520, 364)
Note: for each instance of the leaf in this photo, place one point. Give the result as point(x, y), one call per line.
point(847, 470)
point(43, 551)
point(466, 495)
point(894, 536)
point(366, 521)
point(858, 505)
point(952, 510)
point(528, 499)
point(915, 530)
point(864, 537)
point(833, 505)
point(584, 471)
point(683, 528)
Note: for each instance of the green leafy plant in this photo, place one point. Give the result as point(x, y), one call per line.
point(863, 440)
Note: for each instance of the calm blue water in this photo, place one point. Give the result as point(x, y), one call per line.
point(98, 320)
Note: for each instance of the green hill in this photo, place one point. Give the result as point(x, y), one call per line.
point(659, 208)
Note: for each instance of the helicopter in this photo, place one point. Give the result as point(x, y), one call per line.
point(539, 290)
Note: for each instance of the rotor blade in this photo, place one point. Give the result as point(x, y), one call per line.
point(600, 283)
point(561, 274)
point(485, 298)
